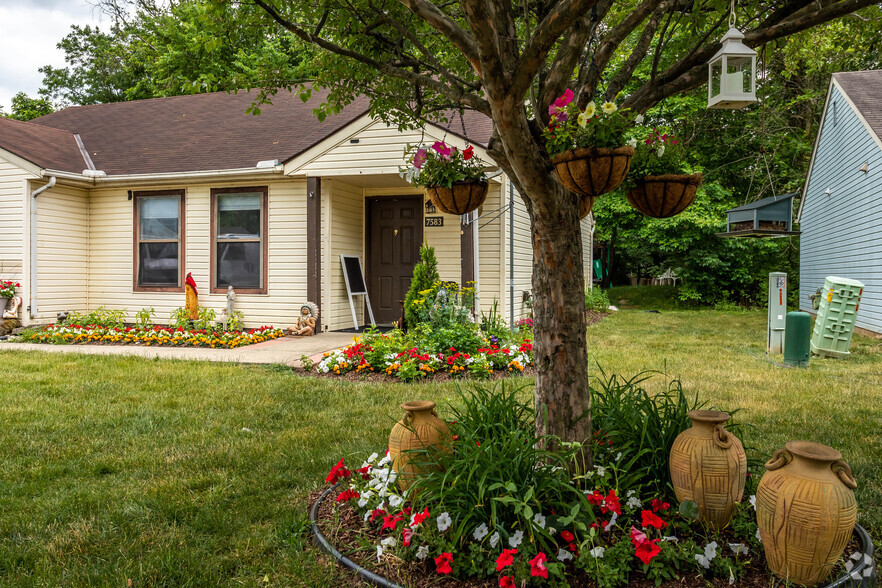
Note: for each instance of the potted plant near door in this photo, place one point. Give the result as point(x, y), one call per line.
point(587, 147)
point(454, 179)
point(664, 184)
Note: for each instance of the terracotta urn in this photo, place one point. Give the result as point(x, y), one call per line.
point(709, 467)
point(591, 171)
point(419, 428)
point(462, 198)
point(806, 511)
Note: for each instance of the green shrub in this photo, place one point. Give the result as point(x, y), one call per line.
point(596, 299)
point(425, 274)
point(143, 316)
point(100, 317)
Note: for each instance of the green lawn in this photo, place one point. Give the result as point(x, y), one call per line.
point(196, 474)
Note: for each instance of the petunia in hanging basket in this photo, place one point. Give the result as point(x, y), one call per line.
point(454, 179)
point(587, 147)
point(662, 183)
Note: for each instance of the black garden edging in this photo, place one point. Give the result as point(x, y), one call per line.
point(861, 575)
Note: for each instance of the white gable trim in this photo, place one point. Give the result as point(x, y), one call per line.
point(21, 162)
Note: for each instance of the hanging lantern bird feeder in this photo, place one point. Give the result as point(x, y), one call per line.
point(732, 71)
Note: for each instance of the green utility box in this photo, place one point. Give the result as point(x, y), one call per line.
point(840, 299)
point(797, 338)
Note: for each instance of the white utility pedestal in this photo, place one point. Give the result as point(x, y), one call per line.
point(777, 311)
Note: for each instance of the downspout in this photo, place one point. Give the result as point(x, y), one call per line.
point(32, 286)
point(511, 312)
point(477, 265)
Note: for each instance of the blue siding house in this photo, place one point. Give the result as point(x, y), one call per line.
point(840, 213)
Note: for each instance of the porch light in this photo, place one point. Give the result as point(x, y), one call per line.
point(731, 72)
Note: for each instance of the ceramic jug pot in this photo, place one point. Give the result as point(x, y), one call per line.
point(419, 428)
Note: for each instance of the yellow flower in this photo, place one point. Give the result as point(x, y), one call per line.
point(590, 109)
point(608, 108)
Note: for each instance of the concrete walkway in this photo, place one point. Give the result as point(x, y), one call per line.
point(285, 350)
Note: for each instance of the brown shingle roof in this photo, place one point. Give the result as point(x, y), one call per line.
point(209, 131)
point(864, 88)
point(42, 146)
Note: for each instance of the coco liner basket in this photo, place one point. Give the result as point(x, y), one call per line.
point(593, 171)
point(664, 196)
point(463, 197)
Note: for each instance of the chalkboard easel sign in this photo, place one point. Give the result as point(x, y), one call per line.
point(355, 285)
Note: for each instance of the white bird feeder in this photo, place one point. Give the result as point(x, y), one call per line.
point(731, 73)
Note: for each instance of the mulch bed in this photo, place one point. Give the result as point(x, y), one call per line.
point(344, 529)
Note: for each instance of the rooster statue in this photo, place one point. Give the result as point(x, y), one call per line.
point(192, 305)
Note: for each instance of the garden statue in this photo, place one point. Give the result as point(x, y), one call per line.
point(14, 305)
point(192, 304)
point(228, 312)
point(305, 325)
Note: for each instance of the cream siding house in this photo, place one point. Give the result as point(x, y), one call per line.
point(308, 189)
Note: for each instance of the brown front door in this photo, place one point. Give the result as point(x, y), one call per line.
point(394, 233)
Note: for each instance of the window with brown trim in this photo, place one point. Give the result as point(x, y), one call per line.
point(238, 239)
point(159, 241)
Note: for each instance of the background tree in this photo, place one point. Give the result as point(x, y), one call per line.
point(25, 108)
point(415, 58)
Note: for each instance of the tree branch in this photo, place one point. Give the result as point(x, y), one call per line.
point(448, 27)
point(637, 54)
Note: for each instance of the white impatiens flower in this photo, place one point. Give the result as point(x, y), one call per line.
point(758, 538)
point(494, 540)
point(422, 552)
point(597, 552)
point(373, 456)
point(551, 531)
point(710, 552)
point(539, 519)
point(670, 538)
point(639, 119)
point(444, 521)
point(481, 531)
point(702, 561)
point(389, 542)
point(564, 555)
point(661, 151)
point(608, 107)
point(379, 552)
point(611, 523)
point(753, 501)
point(516, 539)
point(633, 502)
point(395, 501)
point(619, 454)
point(601, 471)
point(738, 548)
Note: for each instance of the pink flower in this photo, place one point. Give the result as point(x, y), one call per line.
point(537, 566)
point(637, 537)
point(420, 158)
point(564, 99)
point(442, 563)
point(406, 535)
point(442, 149)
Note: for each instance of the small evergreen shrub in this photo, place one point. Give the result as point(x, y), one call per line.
point(425, 273)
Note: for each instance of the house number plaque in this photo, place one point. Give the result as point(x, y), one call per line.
point(434, 221)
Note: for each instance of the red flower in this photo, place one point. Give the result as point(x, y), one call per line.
point(442, 563)
point(347, 495)
point(611, 502)
point(505, 559)
point(595, 498)
point(468, 153)
point(647, 550)
point(420, 517)
point(658, 505)
point(507, 582)
point(652, 520)
point(379, 512)
point(537, 566)
point(567, 536)
point(391, 521)
point(337, 472)
point(365, 472)
point(406, 534)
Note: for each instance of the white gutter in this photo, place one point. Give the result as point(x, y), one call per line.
point(96, 178)
point(32, 286)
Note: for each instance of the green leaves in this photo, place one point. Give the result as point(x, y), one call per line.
point(689, 509)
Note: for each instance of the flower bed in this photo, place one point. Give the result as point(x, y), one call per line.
point(149, 336)
point(7, 288)
point(494, 509)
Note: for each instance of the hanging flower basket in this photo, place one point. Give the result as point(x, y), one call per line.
point(664, 196)
point(592, 171)
point(463, 197)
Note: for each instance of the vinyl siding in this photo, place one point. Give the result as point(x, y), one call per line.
point(111, 268)
point(841, 232)
point(13, 246)
point(522, 244)
point(346, 237)
point(62, 252)
point(490, 251)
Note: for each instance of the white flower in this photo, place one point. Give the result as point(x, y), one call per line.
point(702, 561)
point(633, 502)
point(494, 540)
point(738, 548)
point(639, 119)
point(551, 531)
point(480, 532)
point(389, 542)
point(661, 151)
point(631, 493)
point(710, 550)
point(632, 143)
point(539, 519)
point(379, 552)
point(516, 539)
point(386, 459)
point(670, 538)
point(366, 515)
point(601, 471)
point(422, 552)
point(753, 501)
point(597, 552)
point(618, 456)
point(395, 501)
point(444, 521)
point(612, 522)
point(564, 555)
point(758, 538)
point(608, 107)
point(590, 109)
point(373, 456)
point(731, 577)
point(362, 502)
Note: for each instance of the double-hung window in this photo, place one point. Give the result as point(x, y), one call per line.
point(159, 240)
point(238, 234)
